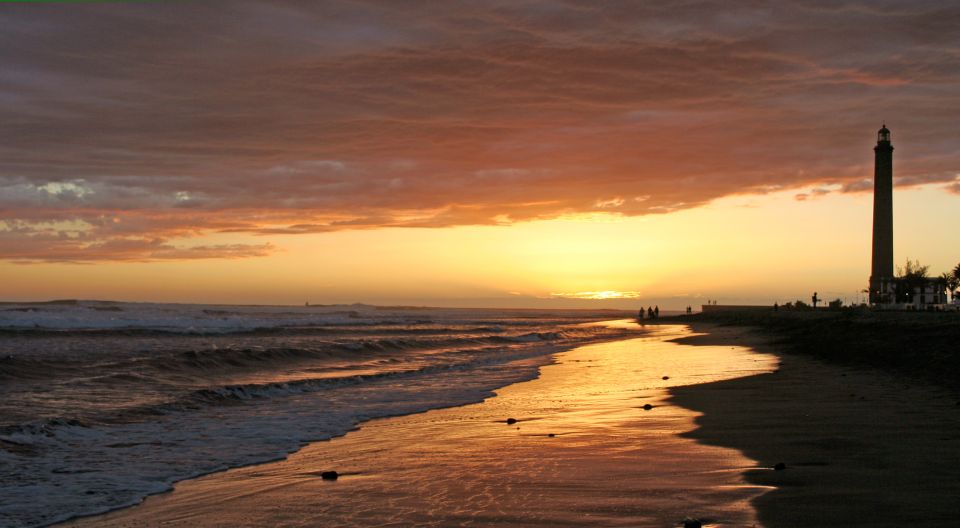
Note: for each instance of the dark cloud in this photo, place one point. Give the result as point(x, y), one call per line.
point(857, 186)
point(168, 121)
point(921, 179)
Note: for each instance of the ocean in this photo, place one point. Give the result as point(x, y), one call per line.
point(103, 403)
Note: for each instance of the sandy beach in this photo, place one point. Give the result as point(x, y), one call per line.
point(584, 451)
point(558, 263)
point(860, 447)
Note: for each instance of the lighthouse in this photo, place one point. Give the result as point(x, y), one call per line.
point(881, 271)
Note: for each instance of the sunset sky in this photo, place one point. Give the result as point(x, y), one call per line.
point(516, 153)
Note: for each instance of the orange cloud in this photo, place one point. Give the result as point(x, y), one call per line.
point(34, 245)
point(268, 118)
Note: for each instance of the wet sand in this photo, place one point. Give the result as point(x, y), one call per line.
point(862, 447)
point(584, 451)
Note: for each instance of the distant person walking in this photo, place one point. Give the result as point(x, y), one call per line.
point(656, 312)
point(649, 312)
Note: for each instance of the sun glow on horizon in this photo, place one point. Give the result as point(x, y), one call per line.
point(748, 248)
point(599, 295)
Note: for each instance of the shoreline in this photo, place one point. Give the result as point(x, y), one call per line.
point(921, 346)
point(526, 369)
point(862, 446)
point(585, 449)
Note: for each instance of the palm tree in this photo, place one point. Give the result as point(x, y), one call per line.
point(949, 281)
point(953, 281)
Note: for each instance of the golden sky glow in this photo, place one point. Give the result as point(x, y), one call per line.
point(525, 153)
point(737, 249)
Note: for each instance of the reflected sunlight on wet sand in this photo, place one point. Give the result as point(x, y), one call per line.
point(583, 450)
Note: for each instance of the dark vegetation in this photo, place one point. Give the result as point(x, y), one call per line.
point(924, 345)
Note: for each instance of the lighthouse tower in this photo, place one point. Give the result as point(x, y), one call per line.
point(881, 274)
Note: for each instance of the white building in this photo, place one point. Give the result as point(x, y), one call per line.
point(914, 294)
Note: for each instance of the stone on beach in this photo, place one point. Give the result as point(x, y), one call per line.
point(511, 421)
point(692, 523)
point(666, 377)
point(779, 466)
point(647, 407)
point(329, 475)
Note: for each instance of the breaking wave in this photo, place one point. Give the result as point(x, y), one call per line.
point(102, 404)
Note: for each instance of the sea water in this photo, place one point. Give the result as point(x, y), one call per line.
point(102, 404)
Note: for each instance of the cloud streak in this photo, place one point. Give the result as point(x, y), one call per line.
point(170, 122)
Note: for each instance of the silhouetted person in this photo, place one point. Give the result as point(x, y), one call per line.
point(649, 312)
point(656, 312)
point(640, 314)
point(775, 307)
point(815, 299)
point(689, 310)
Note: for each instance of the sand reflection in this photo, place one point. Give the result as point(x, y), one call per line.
point(584, 451)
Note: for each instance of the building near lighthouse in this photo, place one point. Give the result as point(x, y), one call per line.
point(887, 291)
